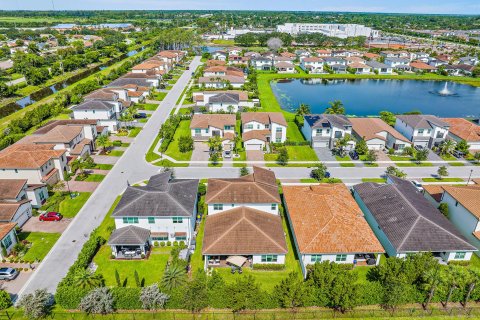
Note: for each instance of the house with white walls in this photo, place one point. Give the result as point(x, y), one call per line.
point(8, 238)
point(261, 128)
point(258, 191)
point(462, 129)
point(378, 135)
point(219, 55)
point(379, 68)
point(163, 210)
point(396, 63)
point(261, 63)
point(206, 126)
point(322, 130)
point(285, 67)
point(312, 64)
point(422, 130)
point(102, 111)
point(407, 223)
point(331, 228)
point(216, 101)
point(221, 82)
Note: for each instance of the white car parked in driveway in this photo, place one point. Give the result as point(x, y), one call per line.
point(417, 185)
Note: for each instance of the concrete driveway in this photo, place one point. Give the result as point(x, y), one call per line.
point(324, 154)
point(35, 225)
point(13, 287)
point(200, 153)
point(255, 155)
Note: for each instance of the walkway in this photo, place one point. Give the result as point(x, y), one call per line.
point(130, 167)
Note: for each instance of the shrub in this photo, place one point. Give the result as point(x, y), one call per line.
point(99, 300)
point(69, 297)
point(169, 243)
point(182, 244)
point(36, 305)
point(459, 263)
point(5, 300)
point(175, 243)
point(126, 298)
point(117, 143)
point(268, 266)
point(152, 299)
point(155, 243)
point(202, 189)
point(162, 244)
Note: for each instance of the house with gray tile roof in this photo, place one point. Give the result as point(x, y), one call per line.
point(164, 207)
point(422, 129)
point(406, 223)
point(323, 129)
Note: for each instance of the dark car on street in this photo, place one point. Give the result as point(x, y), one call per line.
point(354, 155)
point(140, 115)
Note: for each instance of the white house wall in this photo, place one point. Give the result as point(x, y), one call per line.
point(258, 259)
point(265, 207)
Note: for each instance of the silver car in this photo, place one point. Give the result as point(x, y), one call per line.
point(8, 274)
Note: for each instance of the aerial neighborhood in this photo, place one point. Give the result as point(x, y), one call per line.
point(190, 164)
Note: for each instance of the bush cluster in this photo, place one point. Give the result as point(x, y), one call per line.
point(268, 266)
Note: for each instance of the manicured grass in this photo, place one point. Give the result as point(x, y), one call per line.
point(42, 243)
point(159, 96)
point(151, 156)
point(168, 163)
point(116, 153)
point(216, 165)
point(448, 157)
point(366, 163)
point(224, 42)
point(308, 180)
point(134, 132)
point(442, 180)
point(95, 177)
point(183, 129)
point(296, 153)
point(243, 157)
point(377, 180)
point(101, 166)
point(149, 270)
point(70, 207)
point(456, 164)
point(411, 162)
point(147, 106)
point(294, 133)
point(345, 162)
point(196, 260)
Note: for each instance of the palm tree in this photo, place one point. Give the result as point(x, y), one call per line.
point(446, 147)
point(174, 276)
point(472, 279)
point(86, 279)
point(431, 279)
point(303, 109)
point(453, 277)
point(104, 142)
point(336, 107)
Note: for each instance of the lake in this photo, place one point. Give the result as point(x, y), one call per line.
point(364, 97)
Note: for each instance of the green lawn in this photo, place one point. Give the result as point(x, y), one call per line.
point(295, 153)
point(183, 129)
point(147, 106)
point(95, 177)
point(101, 166)
point(377, 180)
point(345, 161)
point(70, 207)
point(116, 153)
point(134, 132)
point(442, 180)
point(294, 133)
point(456, 164)
point(224, 42)
point(42, 243)
point(411, 162)
point(216, 165)
point(159, 96)
point(448, 157)
point(366, 163)
point(308, 180)
point(152, 156)
point(243, 157)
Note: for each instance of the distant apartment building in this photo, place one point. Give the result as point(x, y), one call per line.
point(330, 30)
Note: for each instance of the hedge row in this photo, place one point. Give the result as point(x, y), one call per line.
point(268, 266)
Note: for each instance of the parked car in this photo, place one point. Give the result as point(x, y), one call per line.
point(187, 68)
point(354, 155)
point(50, 216)
point(8, 274)
point(140, 115)
point(417, 185)
point(458, 154)
point(227, 154)
point(419, 148)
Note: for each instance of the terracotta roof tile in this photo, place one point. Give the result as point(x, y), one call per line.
point(368, 128)
point(27, 156)
point(467, 196)
point(434, 190)
point(11, 188)
point(332, 222)
point(256, 134)
point(264, 117)
point(5, 228)
point(9, 209)
point(214, 120)
point(464, 129)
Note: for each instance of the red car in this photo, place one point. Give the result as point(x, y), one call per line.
point(50, 216)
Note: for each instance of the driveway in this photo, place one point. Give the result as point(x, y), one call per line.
point(255, 155)
point(432, 156)
point(14, 286)
point(324, 154)
point(200, 153)
point(35, 225)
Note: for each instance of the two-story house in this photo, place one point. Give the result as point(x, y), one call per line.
point(163, 210)
point(462, 129)
point(205, 126)
point(422, 130)
point(222, 71)
point(322, 130)
point(397, 63)
point(102, 111)
point(222, 82)
point(8, 238)
point(243, 226)
point(379, 68)
point(261, 128)
point(261, 63)
point(219, 55)
point(226, 101)
point(312, 64)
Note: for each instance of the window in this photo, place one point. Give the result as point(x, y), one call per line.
point(130, 220)
point(319, 131)
point(16, 170)
point(41, 195)
point(267, 126)
point(162, 238)
point(206, 130)
point(338, 134)
point(420, 131)
point(269, 258)
point(151, 220)
point(177, 220)
point(181, 238)
point(460, 255)
point(278, 140)
point(341, 257)
point(279, 130)
point(316, 258)
point(429, 131)
point(217, 206)
point(258, 126)
point(274, 206)
point(197, 131)
point(227, 127)
point(249, 126)
point(7, 241)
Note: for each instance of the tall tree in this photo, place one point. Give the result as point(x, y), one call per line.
point(336, 107)
point(174, 277)
point(291, 292)
point(86, 279)
point(303, 109)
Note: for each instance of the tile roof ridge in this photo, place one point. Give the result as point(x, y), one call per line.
point(260, 230)
point(225, 231)
point(131, 202)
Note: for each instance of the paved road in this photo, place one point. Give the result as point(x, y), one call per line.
point(131, 167)
point(16, 81)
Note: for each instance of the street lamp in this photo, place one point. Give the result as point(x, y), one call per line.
point(470, 176)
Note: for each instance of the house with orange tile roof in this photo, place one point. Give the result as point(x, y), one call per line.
point(206, 126)
point(378, 135)
point(462, 129)
point(331, 227)
point(221, 82)
point(261, 128)
point(421, 67)
point(222, 71)
point(8, 238)
point(17, 199)
point(257, 190)
point(464, 210)
point(38, 163)
point(216, 101)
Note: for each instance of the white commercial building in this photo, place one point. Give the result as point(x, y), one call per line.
point(330, 30)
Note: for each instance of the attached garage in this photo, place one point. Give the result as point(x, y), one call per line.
point(375, 144)
point(320, 144)
point(254, 144)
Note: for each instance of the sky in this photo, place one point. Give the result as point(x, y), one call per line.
point(400, 6)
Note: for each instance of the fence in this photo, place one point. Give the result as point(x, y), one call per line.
point(304, 314)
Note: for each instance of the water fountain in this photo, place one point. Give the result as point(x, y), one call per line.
point(445, 92)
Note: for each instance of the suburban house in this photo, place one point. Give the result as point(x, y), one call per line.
point(257, 191)
point(102, 111)
point(421, 56)
point(406, 223)
point(394, 54)
point(324, 53)
point(150, 77)
point(423, 130)
point(235, 51)
point(473, 61)
point(216, 101)
point(222, 71)
point(323, 129)
point(8, 238)
point(205, 126)
point(378, 135)
point(163, 210)
point(464, 210)
point(211, 63)
point(462, 129)
point(243, 226)
point(17, 199)
point(359, 68)
point(261, 63)
point(219, 55)
point(285, 67)
point(151, 66)
point(421, 67)
point(312, 64)
point(379, 68)
point(39, 164)
point(107, 95)
point(337, 64)
point(332, 228)
point(397, 63)
point(261, 128)
point(222, 82)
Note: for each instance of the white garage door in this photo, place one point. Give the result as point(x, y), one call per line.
point(320, 144)
point(375, 146)
point(22, 219)
point(253, 146)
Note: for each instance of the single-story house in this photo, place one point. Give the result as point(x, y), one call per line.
point(331, 228)
point(462, 129)
point(379, 68)
point(285, 67)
